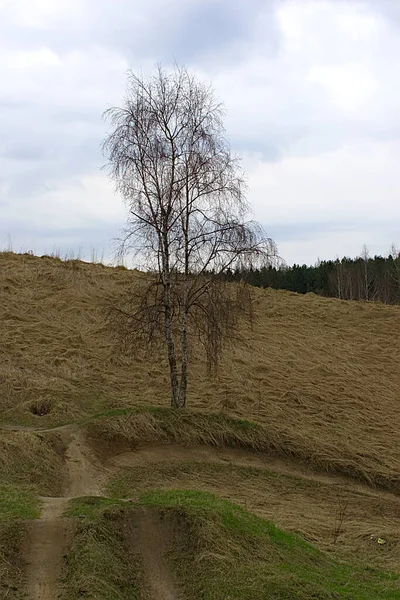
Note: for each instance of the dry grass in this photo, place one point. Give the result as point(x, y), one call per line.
point(129, 428)
point(308, 508)
point(11, 562)
point(29, 459)
point(320, 374)
point(99, 563)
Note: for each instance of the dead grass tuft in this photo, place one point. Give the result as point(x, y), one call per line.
point(11, 562)
point(28, 458)
point(41, 407)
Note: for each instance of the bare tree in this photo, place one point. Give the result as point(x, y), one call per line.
point(395, 275)
point(169, 158)
point(366, 282)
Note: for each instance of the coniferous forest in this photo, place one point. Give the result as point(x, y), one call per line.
point(362, 278)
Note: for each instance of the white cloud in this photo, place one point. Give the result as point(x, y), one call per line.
point(350, 86)
point(329, 245)
point(354, 183)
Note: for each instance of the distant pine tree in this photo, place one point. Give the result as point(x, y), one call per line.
point(361, 278)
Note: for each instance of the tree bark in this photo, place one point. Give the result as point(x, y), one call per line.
point(184, 350)
point(169, 338)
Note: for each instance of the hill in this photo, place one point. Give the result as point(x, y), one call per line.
point(322, 375)
point(284, 470)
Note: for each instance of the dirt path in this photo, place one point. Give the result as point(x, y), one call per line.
point(85, 477)
point(47, 540)
point(48, 537)
point(153, 454)
point(153, 538)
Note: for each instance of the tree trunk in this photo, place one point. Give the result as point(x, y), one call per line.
point(184, 350)
point(169, 338)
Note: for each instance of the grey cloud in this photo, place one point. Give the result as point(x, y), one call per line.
point(50, 116)
point(13, 104)
point(291, 232)
point(64, 122)
point(140, 30)
point(389, 9)
point(37, 149)
point(209, 27)
point(24, 151)
point(66, 243)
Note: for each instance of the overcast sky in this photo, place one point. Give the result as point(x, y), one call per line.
point(311, 88)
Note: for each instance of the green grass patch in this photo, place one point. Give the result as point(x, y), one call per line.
point(231, 516)
point(223, 551)
point(18, 503)
point(217, 550)
point(91, 507)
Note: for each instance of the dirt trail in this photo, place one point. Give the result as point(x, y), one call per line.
point(47, 539)
point(152, 454)
point(153, 537)
point(85, 477)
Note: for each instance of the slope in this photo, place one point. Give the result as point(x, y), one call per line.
point(321, 375)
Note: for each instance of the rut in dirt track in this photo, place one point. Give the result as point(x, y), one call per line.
point(153, 537)
point(47, 539)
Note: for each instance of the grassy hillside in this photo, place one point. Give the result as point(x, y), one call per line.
point(215, 549)
point(321, 375)
point(313, 387)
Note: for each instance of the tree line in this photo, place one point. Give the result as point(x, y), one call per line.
point(361, 278)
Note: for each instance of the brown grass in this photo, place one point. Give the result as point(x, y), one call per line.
point(11, 562)
point(109, 434)
point(321, 374)
point(30, 459)
point(299, 505)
